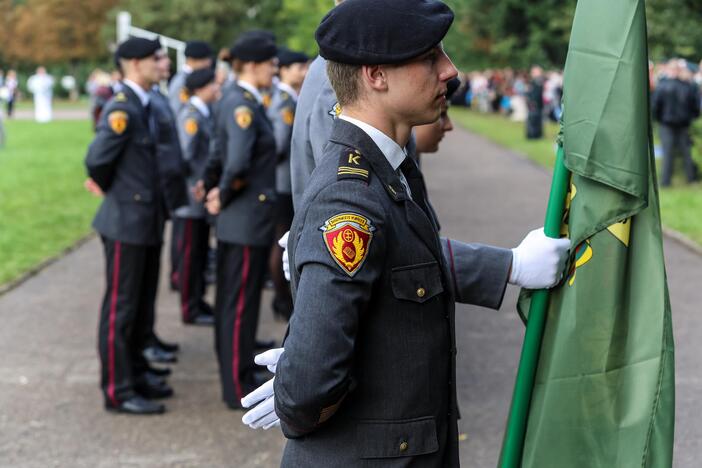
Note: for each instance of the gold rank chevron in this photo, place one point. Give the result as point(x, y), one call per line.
point(352, 170)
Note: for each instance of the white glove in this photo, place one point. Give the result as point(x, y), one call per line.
point(538, 262)
point(283, 242)
point(263, 414)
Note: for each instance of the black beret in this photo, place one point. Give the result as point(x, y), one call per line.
point(198, 50)
point(259, 34)
point(253, 48)
point(373, 32)
point(137, 48)
point(451, 87)
point(199, 79)
point(287, 57)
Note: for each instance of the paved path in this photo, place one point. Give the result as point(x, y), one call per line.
point(50, 407)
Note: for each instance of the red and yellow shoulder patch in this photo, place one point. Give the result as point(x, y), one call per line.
point(348, 237)
point(184, 95)
point(243, 116)
point(288, 116)
point(191, 126)
point(118, 121)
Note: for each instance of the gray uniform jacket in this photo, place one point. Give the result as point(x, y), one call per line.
point(317, 108)
point(177, 97)
point(195, 131)
point(368, 373)
point(168, 152)
point(281, 114)
point(243, 151)
point(122, 161)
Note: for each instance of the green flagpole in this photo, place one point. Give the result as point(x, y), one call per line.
point(513, 445)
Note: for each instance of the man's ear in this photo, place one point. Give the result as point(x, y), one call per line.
point(375, 77)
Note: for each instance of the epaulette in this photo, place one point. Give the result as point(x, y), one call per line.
point(249, 96)
point(120, 97)
point(284, 96)
point(352, 165)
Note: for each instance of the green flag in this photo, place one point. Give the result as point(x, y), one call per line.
point(604, 393)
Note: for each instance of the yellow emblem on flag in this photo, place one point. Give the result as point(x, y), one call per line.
point(118, 121)
point(583, 254)
point(621, 231)
point(184, 95)
point(191, 126)
point(348, 237)
point(243, 117)
point(288, 116)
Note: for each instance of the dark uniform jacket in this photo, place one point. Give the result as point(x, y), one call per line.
point(676, 103)
point(281, 113)
point(122, 161)
point(195, 130)
point(242, 163)
point(368, 373)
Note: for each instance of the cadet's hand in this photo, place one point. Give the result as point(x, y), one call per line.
point(198, 191)
point(92, 187)
point(213, 203)
point(538, 262)
point(263, 414)
point(283, 242)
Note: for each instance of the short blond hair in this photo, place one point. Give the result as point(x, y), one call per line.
point(345, 81)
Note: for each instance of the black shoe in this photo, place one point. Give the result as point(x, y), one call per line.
point(157, 354)
point(200, 319)
point(205, 308)
point(153, 390)
point(165, 345)
point(159, 371)
point(264, 344)
point(136, 405)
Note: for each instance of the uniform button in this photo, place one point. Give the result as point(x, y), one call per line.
point(137, 197)
point(403, 446)
point(262, 198)
point(421, 292)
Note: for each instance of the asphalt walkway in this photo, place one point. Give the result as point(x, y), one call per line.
point(51, 409)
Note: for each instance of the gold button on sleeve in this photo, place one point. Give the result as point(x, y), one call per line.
point(403, 446)
point(421, 292)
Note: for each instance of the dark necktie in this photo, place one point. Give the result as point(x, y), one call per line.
point(414, 180)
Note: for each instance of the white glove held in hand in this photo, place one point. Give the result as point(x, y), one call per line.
point(538, 262)
point(283, 242)
point(263, 414)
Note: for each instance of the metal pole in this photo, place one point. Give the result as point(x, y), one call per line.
point(513, 445)
point(124, 23)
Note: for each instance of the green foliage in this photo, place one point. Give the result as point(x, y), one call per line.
point(43, 206)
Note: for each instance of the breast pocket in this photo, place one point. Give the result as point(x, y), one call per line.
point(417, 283)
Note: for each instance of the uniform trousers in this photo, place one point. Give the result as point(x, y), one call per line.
point(177, 226)
point(194, 242)
point(127, 315)
point(282, 302)
point(676, 140)
point(240, 275)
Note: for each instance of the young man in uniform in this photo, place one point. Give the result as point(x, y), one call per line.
point(198, 55)
point(122, 162)
point(368, 371)
point(195, 127)
point(292, 69)
point(240, 180)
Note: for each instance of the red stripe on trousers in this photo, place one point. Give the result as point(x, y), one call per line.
point(185, 280)
point(240, 305)
point(111, 334)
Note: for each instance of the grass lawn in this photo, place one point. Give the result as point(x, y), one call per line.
point(681, 205)
point(57, 104)
point(43, 206)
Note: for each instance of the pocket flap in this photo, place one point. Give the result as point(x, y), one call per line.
point(417, 283)
point(401, 438)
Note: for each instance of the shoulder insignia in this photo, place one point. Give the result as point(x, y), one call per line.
point(288, 116)
point(284, 96)
point(335, 111)
point(352, 165)
point(191, 126)
point(118, 121)
point(348, 237)
point(243, 116)
point(120, 97)
point(249, 96)
point(184, 95)
point(266, 100)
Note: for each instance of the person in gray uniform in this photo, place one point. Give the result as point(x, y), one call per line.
point(198, 55)
point(240, 184)
point(195, 128)
point(292, 69)
point(367, 374)
point(122, 163)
